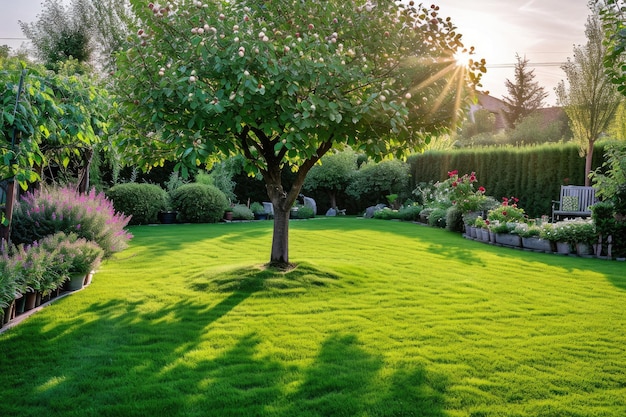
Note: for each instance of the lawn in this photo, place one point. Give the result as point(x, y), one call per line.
point(379, 319)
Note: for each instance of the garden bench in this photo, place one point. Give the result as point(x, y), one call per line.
point(575, 201)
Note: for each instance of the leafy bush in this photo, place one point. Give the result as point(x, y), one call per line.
point(507, 212)
point(142, 202)
point(410, 213)
point(242, 212)
point(303, 212)
point(454, 219)
point(437, 218)
point(386, 213)
point(92, 216)
point(199, 203)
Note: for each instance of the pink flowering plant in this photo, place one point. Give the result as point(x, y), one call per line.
point(507, 212)
point(463, 192)
point(49, 210)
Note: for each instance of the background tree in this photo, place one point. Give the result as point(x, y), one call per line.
point(525, 95)
point(374, 181)
point(333, 175)
point(613, 16)
point(591, 99)
point(60, 33)
point(283, 82)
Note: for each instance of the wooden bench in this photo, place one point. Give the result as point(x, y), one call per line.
point(575, 201)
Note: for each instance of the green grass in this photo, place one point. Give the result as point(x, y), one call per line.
point(379, 319)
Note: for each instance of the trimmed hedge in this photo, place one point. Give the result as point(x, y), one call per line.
point(199, 203)
point(532, 174)
point(141, 201)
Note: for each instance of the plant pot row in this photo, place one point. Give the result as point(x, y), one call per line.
point(535, 244)
point(24, 303)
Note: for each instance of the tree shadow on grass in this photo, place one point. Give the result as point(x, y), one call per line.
point(261, 278)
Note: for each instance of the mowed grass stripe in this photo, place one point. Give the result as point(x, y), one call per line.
point(379, 319)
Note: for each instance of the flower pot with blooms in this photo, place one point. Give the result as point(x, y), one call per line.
point(463, 193)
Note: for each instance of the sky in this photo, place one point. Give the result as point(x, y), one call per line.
point(543, 31)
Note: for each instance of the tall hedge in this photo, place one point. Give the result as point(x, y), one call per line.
point(532, 174)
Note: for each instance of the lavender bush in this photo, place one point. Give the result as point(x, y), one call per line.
point(46, 211)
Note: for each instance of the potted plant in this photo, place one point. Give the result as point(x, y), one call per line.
point(81, 257)
point(228, 214)
point(531, 239)
point(504, 236)
point(258, 210)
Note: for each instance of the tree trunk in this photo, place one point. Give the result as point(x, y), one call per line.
point(588, 160)
point(280, 239)
point(333, 199)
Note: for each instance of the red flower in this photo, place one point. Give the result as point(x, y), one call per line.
point(481, 189)
point(453, 173)
point(454, 184)
point(504, 213)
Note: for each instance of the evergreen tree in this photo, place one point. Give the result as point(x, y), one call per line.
point(525, 94)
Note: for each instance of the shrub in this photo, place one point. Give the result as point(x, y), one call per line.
point(410, 213)
point(92, 216)
point(242, 212)
point(257, 208)
point(437, 218)
point(199, 203)
point(507, 212)
point(142, 202)
point(454, 219)
point(386, 213)
point(303, 212)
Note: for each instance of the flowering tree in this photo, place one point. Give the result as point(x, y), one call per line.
point(285, 81)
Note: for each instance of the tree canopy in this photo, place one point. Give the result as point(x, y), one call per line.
point(613, 16)
point(590, 100)
point(283, 82)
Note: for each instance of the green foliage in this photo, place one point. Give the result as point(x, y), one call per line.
point(612, 175)
point(507, 212)
point(257, 208)
point(613, 16)
point(484, 122)
point(387, 213)
point(454, 219)
point(410, 212)
point(46, 211)
point(59, 34)
point(590, 100)
point(374, 181)
point(12, 280)
point(534, 173)
point(532, 130)
point(333, 174)
point(242, 212)
point(303, 212)
point(525, 94)
point(437, 217)
point(141, 202)
point(59, 119)
point(571, 231)
point(199, 203)
point(462, 192)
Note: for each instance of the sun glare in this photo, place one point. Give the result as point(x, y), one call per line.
point(462, 58)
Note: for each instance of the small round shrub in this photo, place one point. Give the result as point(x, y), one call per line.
point(242, 212)
point(199, 203)
point(454, 219)
point(437, 218)
point(142, 202)
point(410, 213)
point(386, 214)
point(303, 212)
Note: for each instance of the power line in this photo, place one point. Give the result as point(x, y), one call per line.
point(536, 64)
